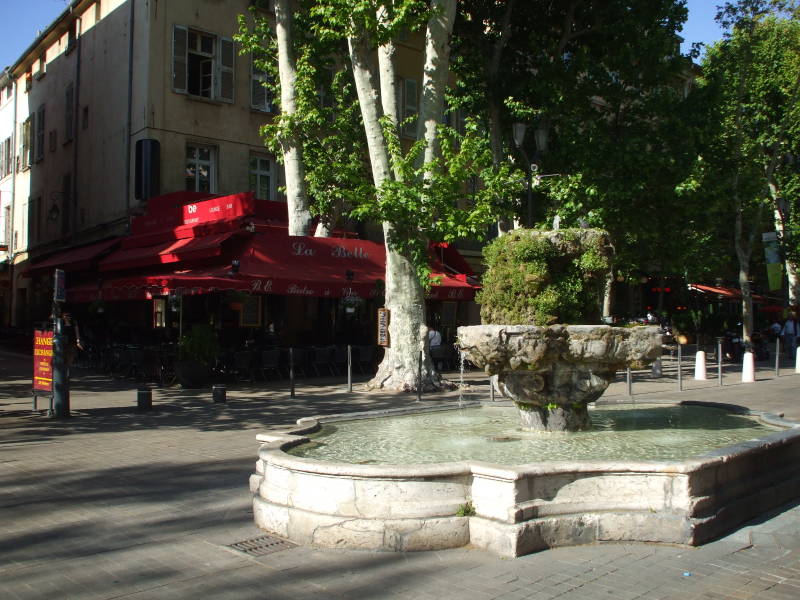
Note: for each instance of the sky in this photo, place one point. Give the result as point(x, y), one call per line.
point(21, 19)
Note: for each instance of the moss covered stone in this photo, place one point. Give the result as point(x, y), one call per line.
point(545, 277)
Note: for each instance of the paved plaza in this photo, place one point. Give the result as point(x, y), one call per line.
point(112, 503)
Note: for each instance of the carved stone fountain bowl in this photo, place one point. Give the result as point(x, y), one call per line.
point(553, 372)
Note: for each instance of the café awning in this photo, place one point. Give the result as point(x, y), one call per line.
point(286, 265)
point(74, 259)
point(185, 249)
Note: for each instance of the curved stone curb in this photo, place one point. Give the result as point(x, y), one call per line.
point(515, 510)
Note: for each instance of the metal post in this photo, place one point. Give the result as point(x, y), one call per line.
point(291, 372)
point(719, 362)
point(219, 394)
point(680, 366)
point(180, 317)
point(491, 390)
point(349, 368)
point(60, 372)
point(419, 377)
point(144, 399)
point(777, 356)
point(629, 381)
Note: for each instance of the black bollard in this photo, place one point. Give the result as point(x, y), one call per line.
point(349, 368)
point(218, 394)
point(419, 377)
point(777, 357)
point(719, 362)
point(680, 368)
point(144, 399)
point(291, 372)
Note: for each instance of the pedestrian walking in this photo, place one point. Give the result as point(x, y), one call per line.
point(789, 335)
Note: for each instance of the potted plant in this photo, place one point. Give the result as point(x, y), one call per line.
point(197, 351)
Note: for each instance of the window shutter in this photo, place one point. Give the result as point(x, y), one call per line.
point(258, 93)
point(31, 140)
point(410, 106)
point(179, 58)
point(40, 133)
point(226, 62)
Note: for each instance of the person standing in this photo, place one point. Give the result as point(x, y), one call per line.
point(789, 334)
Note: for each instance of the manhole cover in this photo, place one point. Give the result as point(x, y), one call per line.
point(264, 544)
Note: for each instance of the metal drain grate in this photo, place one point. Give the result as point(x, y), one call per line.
point(262, 545)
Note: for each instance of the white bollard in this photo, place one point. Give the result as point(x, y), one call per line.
point(796, 361)
point(748, 368)
point(700, 365)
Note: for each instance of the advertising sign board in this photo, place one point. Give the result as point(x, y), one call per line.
point(43, 361)
point(383, 326)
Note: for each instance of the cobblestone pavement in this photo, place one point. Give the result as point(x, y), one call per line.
point(116, 504)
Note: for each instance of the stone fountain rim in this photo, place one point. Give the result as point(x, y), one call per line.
point(276, 441)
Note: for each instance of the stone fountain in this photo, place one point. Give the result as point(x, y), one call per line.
point(552, 373)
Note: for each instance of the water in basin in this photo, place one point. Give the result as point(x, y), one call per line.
point(493, 434)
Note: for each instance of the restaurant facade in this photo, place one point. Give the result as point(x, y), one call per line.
point(227, 261)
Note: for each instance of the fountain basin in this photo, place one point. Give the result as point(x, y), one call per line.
point(513, 510)
point(553, 372)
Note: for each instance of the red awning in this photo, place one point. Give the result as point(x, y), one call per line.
point(330, 267)
point(314, 267)
point(723, 292)
point(166, 252)
point(284, 265)
point(75, 259)
point(450, 259)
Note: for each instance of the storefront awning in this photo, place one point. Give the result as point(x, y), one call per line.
point(74, 259)
point(166, 252)
point(723, 293)
point(286, 265)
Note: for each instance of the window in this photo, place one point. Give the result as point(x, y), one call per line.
point(72, 35)
point(7, 227)
point(200, 168)
point(53, 140)
point(39, 151)
point(85, 120)
point(6, 158)
point(69, 113)
point(25, 148)
point(39, 69)
point(262, 176)
point(202, 64)
point(260, 96)
point(409, 106)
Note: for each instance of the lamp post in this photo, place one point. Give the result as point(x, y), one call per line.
point(540, 138)
point(518, 131)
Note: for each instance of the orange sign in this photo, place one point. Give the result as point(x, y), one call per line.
point(43, 361)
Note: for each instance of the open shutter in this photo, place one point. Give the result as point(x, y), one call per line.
point(226, 62)
point(179, 58)
point(410, 107)
point(40, 133)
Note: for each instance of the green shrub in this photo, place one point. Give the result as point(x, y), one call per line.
point(545, 277)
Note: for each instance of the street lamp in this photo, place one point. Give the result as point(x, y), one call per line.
point(518, 133)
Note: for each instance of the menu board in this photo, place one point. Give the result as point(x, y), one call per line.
point(383, 326)
point(250, 315)
point(43, 361)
